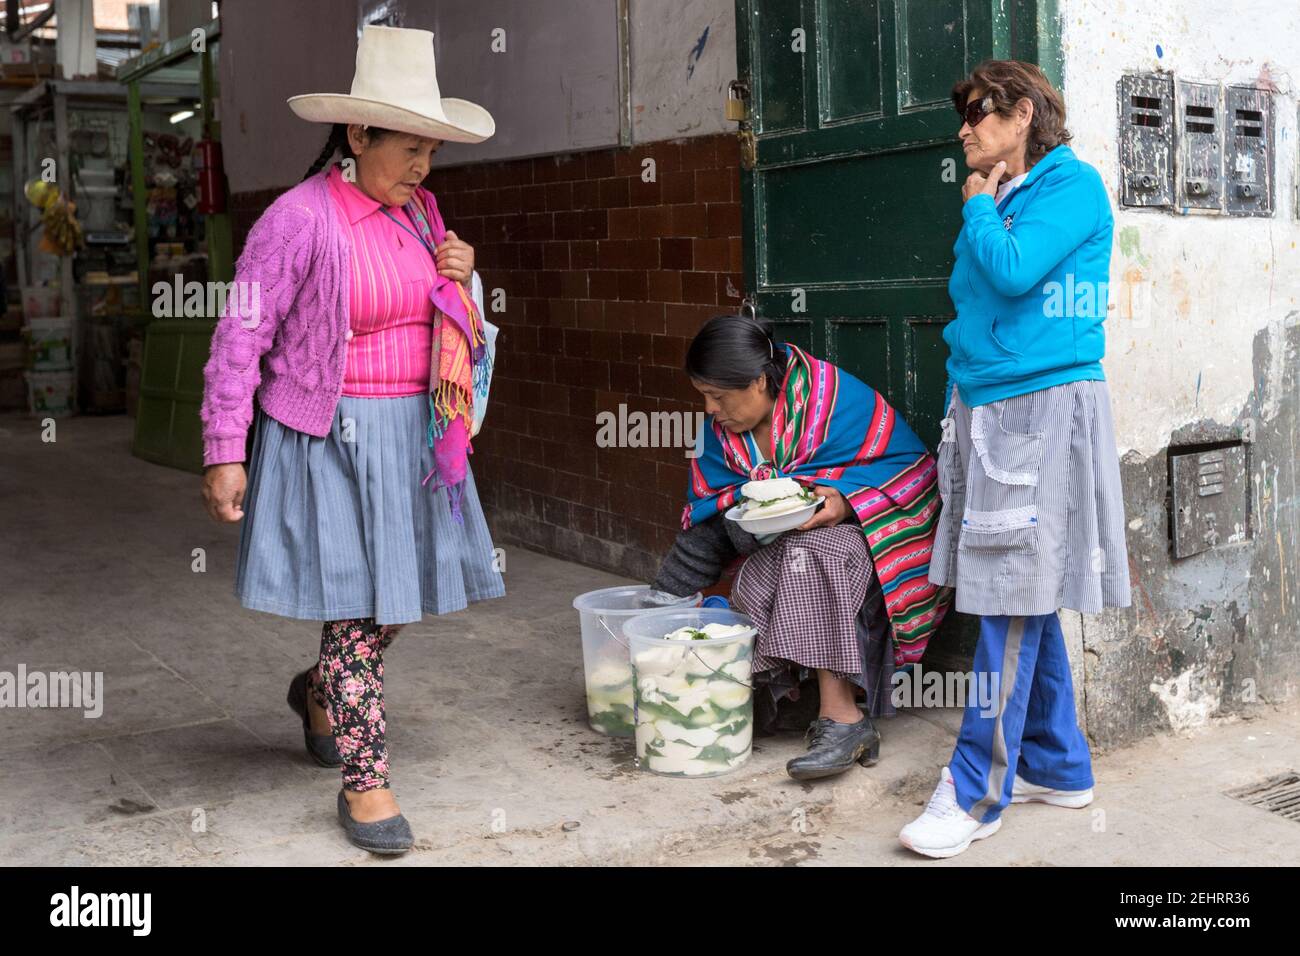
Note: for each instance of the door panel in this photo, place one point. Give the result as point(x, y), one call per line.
point(861, 220)
point(848, 74)
point(934, 36)
point(852, 340)
point(779, 91)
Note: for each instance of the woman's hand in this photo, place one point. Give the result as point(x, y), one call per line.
point(835, 511)
point(455, 258)
point(977, 183)
point(223, 491)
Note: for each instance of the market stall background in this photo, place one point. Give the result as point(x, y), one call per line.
point(99, 199)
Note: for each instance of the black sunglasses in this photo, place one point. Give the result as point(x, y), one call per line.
point(975, 111)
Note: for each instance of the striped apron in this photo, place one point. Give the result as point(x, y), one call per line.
point(1033, 510)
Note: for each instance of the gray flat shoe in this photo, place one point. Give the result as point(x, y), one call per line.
point(834, 747)
point(383, 836)
point(321, 747)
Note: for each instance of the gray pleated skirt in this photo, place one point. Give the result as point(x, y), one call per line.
point(340, 527)
point(1033, 509)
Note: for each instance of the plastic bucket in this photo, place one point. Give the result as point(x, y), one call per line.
point(51, 393)
point(606, 663)
point(694, 700)
point(49, 343)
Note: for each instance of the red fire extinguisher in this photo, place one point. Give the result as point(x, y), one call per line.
point(212, 176)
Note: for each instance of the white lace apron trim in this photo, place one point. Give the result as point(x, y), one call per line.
point(979, 416)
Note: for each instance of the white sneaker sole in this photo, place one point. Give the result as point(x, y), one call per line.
point(1074, 801)
point(942, 853)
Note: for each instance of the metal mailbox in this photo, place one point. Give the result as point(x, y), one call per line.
point(1200, 146)
point(1207, 499)
point(1249, 151)
point(1146, 112)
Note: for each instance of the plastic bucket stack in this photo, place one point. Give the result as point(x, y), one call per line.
point(51, 353)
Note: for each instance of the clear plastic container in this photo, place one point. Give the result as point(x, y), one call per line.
point(694, 700)
point(606, 663)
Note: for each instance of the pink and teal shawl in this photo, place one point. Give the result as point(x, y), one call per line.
point(457, 367)
point(829, 428)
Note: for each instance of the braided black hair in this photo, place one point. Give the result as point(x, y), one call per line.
point(338, 142)
point(731, 351)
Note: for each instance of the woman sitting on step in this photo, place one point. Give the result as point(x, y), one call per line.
point(842, 600)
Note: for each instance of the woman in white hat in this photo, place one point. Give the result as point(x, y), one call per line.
point(364, 347)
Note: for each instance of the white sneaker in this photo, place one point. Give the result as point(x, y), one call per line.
point(1022, 791)
point(945, 829)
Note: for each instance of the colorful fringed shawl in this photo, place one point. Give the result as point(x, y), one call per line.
point(829, 428)
point(458, 365)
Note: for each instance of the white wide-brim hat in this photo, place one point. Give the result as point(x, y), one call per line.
point(395, 87)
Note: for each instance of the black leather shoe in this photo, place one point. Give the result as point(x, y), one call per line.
point(321, 747)
point(834, 747)
point(392, 835)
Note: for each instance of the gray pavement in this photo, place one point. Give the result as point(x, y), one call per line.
point(197, 760)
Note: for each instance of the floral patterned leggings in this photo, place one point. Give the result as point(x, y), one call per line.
point(349, 684)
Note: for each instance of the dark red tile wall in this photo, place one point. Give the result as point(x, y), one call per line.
point(605, 278)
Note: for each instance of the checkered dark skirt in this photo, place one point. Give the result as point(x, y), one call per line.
point(817, 603)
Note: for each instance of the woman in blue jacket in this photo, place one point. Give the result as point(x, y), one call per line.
point(1033, 515)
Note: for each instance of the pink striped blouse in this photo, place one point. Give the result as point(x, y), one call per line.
point(391, 316)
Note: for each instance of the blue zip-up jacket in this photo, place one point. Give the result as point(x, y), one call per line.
point(1030, 284)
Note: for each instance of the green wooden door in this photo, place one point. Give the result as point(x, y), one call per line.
point(168, 430)
point(853, 203)
point(854, 199)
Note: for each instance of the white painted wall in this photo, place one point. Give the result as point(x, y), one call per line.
point(683, 57)
point(1188, 293)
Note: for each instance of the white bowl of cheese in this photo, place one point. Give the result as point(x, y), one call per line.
point(774, 505)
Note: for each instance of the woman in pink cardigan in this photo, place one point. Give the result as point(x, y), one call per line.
point(363, 348)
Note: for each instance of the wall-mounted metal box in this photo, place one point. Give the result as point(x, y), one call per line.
point(1200, 146)
point(1146, 121)
point(1249, 151)
point(1207, 499)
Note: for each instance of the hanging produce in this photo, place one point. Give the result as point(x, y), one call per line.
point(61, 232)
point(62, 235)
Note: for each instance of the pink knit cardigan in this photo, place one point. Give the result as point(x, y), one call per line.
point(291, 354)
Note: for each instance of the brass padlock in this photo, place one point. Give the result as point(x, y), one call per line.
point(736, 92)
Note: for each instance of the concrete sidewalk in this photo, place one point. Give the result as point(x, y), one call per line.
point(1162, 802)
point(197, 760)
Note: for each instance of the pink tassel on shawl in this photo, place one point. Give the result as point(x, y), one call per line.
point(450, 456)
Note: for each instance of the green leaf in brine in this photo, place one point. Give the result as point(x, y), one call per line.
point(734, 727)
point(660, 712)
point(715, 753)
